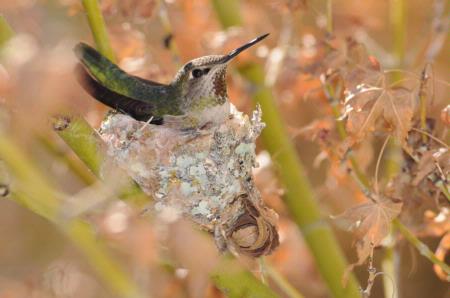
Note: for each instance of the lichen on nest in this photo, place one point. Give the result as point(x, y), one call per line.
point(205, 175)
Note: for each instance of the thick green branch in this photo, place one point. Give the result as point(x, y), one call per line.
point(82, 139)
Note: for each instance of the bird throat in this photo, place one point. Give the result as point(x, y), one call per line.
point(220, 88)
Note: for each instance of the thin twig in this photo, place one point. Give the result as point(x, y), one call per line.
point(372, 274)
point(420, 246)
point(431, 137)
point(262, 270)
point(377, 167)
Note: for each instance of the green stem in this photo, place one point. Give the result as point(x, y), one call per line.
point(330, 17)
point(397, 12)
point(387, 266)
point(420, 246)
point(237, 282)
point(5, 31)
point(70, 161)
point(228, 12)
point(98, 28)
point(282, 283)
point(262, 270)
point(82, 139)
point(299, 196)
point(86, 143)
point(35, 192)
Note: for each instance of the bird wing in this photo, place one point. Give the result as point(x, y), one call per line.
point(137, 109)
point(111, 76)
point(140, 93)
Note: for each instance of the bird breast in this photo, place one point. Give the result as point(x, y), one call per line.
point(216, 114)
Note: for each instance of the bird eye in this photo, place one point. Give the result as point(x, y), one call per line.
point(196, 73)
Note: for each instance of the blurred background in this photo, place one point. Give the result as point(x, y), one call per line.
point(152, 39)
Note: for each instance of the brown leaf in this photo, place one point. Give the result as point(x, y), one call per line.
point(394, 107)
point(370, 222)
point(371, 101)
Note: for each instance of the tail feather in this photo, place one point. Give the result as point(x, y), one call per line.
point(139, 110)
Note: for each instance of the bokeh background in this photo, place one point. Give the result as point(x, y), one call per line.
point(152, 39)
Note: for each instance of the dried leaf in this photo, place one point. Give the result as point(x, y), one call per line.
point(393, 106)
point(370, 98)
point(370, 222)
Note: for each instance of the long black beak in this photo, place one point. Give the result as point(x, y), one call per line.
point(236, 52)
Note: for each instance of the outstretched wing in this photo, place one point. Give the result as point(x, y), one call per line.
point(137, 109)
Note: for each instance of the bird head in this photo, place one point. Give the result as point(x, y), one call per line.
point(203, 79)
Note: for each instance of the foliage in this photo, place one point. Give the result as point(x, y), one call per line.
point(339, 112)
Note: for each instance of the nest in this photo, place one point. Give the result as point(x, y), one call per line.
point(204, 175)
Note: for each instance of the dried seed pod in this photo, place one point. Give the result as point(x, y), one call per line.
point(204, 175)
point(445, 116)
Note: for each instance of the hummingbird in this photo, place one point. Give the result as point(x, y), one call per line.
point(197, 95)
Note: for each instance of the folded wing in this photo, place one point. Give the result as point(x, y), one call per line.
point(137, 109)
point(105, 81)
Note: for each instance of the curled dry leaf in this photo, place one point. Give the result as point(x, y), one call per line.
point(370, 223)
